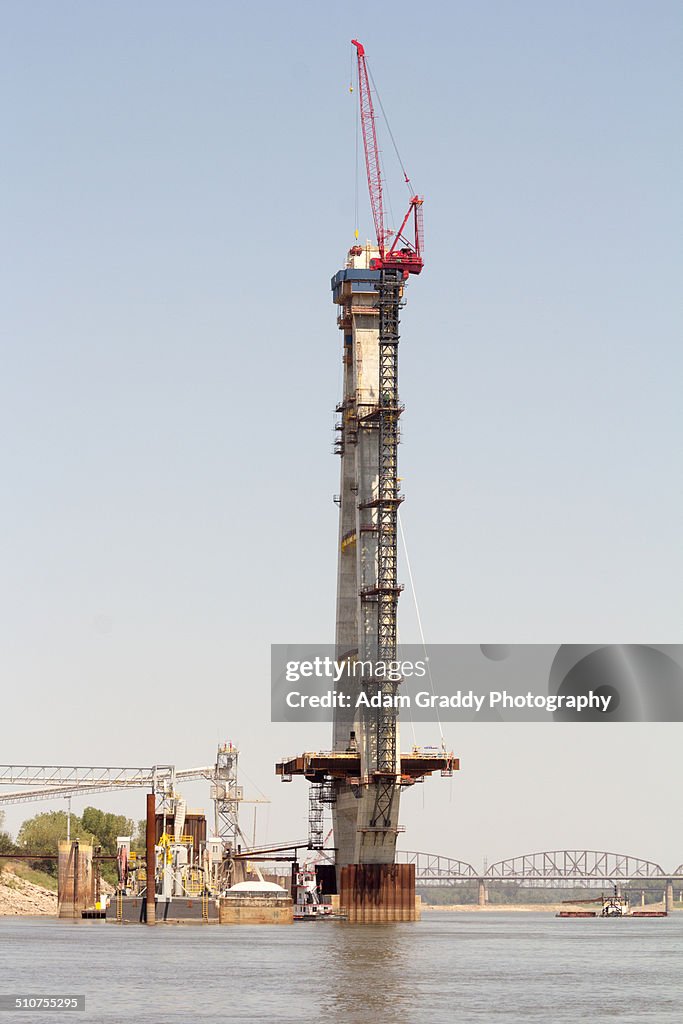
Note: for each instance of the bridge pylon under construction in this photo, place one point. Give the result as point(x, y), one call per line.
point(362, 777)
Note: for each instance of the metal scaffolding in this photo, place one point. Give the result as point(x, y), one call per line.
point(227, 796)
point(388, 590)
point(320, 795)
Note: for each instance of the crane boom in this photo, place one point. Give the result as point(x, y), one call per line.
point(372, 164)
point(404, 254)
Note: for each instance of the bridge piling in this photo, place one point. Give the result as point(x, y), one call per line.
point(669, 896)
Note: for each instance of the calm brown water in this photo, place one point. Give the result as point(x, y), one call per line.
point(497, 968)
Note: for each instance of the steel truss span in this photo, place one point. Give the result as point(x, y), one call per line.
point(60, 781)
point(555, 868)
point(554, 865)
point(431, 867)
point(60, 775)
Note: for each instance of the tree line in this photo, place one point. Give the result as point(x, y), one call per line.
point(43, 833)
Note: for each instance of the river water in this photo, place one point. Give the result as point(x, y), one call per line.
point(502, 968)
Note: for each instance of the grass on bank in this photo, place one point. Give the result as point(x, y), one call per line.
point(29, 874)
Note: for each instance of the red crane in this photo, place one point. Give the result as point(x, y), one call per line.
point(403, 253)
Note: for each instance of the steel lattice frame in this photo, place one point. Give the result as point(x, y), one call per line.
point(226, 796)
point(61, 781)
point(557, 868)
point(575, 864)
point(431, 867)
point(388, 500)
point(370, 147)
point(60, 775)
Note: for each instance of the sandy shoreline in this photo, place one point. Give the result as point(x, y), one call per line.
point(497, 908)
point(518, 908)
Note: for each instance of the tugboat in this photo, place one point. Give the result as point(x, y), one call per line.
point(308, 905)
point(615, 905)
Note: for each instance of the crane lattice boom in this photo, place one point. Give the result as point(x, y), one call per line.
point(404, 253)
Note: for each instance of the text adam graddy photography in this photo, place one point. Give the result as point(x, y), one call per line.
point(470, 700)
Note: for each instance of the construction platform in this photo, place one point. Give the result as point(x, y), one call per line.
point(317, 766)
point(176, 910)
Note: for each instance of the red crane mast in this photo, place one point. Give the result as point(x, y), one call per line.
point(404, 253)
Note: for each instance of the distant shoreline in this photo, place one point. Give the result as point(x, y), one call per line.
point(514, 908)
point(499, 908)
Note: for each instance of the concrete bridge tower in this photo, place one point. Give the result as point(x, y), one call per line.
point(363, 775)
point(366, 817)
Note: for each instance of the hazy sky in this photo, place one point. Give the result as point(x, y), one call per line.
point(178, 188)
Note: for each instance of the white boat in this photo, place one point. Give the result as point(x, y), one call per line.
point(308, 905)
point(615, 905)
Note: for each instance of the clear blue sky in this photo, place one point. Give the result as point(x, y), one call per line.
point(178, 188)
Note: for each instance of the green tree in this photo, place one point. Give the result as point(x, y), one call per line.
point(140, 836)
point(6, 844)
point(42, 834)
point(106, 827)
point(6, 841)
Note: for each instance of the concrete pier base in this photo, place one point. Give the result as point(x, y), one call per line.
point(378, 893)
point(75, 882)
point(669, 897)
point(482, 895)
point(256, 910)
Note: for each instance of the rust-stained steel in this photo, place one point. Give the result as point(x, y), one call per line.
point(98, 876)
point(151, 858)
point(194, 826)
point(75, 852)
point(346, 765)
point(378, 893)
point(75, 880)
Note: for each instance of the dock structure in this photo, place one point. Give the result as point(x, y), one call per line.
point(362, 776)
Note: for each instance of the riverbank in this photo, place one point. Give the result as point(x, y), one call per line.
point(23, 896)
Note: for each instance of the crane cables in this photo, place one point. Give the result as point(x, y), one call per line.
point(419, 624)
point(406, 179)
point(356, 117)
